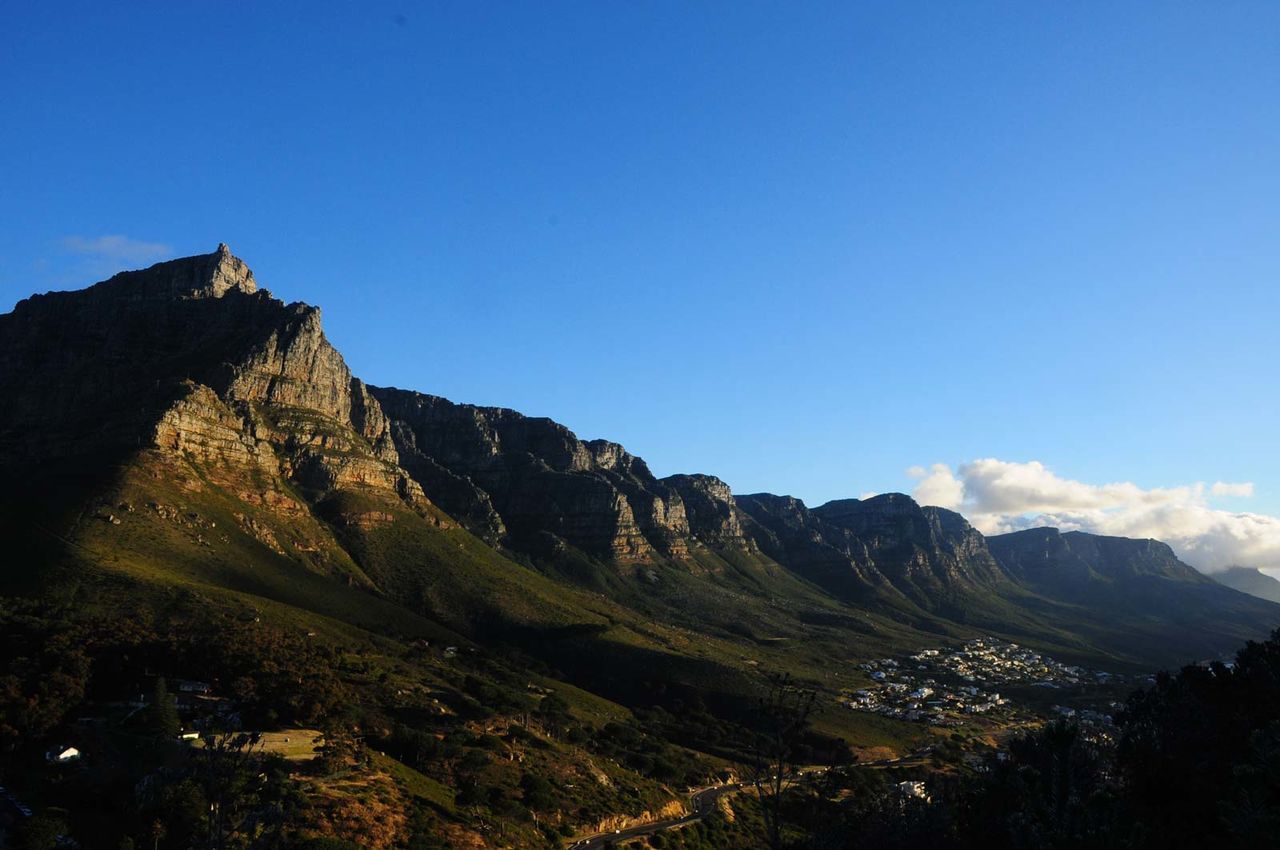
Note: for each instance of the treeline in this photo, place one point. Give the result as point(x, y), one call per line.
point(1195, 762)
point(487, 749)
point(56, 659)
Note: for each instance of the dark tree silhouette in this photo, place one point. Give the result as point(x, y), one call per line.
point(782, 714)
point(162, 716)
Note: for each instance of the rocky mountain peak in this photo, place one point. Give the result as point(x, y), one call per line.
point(229, 272)
point(200, 276)
point(190, 357)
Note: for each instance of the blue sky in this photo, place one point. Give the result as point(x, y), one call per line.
point(802, 246)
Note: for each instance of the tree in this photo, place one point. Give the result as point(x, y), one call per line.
point(244, 789)
point(162, 716)
point(538, 792)
point(158, 831)
point(339, 749)
point(1052, 791)
point(41, 832)
point(782, 713)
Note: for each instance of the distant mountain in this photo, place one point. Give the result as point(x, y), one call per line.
point(180, 428)
point(1137, 589)
point(1251, 581)
point(1079, 563)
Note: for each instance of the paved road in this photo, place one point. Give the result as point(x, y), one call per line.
point(701, 804)
point(900, 761)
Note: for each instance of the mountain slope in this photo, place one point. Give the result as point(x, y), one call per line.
point(1250, 581)
point(1119, 590)
point(202, 428)
point(179, 447)
point(546, 487)
point(179, 431)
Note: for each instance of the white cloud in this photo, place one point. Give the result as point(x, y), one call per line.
point(117, 249)
point(1222, 488)
point(938, 486)
point(999, 496)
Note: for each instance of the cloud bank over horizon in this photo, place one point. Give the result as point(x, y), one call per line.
point(999, 496)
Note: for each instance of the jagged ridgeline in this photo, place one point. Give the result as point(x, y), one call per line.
point(179, 427)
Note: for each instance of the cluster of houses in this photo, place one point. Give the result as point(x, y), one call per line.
point(942, 686)
point(990, 661)
point(1086, 716)
point(898, 693)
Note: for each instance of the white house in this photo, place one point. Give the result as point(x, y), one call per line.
point(190, 686)
point(62, 755)
point(913, 788)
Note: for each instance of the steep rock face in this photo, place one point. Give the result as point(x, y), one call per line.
point(533, 477)
point(886, 547)
point(713, 515)
point(189, 356)
point(921, 550)
point(455, 494)
point(200, 424)
point(824, 553)
point(1077, 564)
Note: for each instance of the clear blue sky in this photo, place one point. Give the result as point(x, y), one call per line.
point(802, 246)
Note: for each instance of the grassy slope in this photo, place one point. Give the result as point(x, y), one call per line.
point(713, 626)
point(347, 582)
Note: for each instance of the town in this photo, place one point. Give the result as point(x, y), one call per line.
point(948, 686)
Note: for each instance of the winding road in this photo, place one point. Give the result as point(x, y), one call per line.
point(703, 803)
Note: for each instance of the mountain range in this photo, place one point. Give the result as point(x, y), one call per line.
point(180, 430)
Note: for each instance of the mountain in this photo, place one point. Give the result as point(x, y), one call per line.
point(1120, 589)
point(926, 552)
point(1251, 581)
point(178, 425)
point(534, 478)
point(181, 424)
point(193, 484)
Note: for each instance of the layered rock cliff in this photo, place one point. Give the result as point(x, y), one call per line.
point(789, 533)
point(886, 545)
point(198, 387)
point(713, 514)
point(921, 550)
point(532, 481)
point(189, 356)
point(1078, 564)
